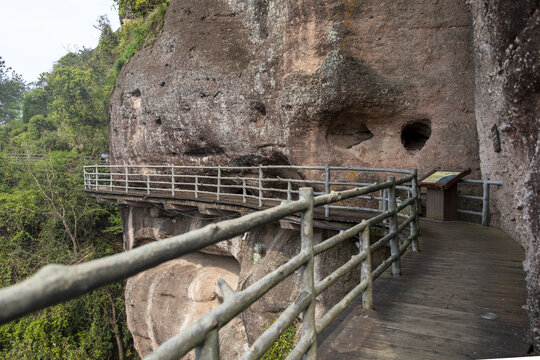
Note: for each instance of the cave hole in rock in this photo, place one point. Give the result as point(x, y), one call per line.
point(347, 130)
point(415, 134)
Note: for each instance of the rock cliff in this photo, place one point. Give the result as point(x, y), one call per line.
point(507, 43)
point(162, 301)
point(387, 83)
point(374, 83)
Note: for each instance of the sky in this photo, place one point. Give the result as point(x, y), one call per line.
point(34, 34)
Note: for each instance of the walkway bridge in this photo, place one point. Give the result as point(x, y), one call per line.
point(390, 318)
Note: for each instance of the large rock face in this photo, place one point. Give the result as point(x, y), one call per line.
point(357, 83)
point(387, 83)
point(164, 300)
point(507, 39)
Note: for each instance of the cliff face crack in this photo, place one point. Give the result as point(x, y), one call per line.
point(347, 131)
point(204, 150)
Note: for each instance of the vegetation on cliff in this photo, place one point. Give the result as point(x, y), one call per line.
point(46, 217)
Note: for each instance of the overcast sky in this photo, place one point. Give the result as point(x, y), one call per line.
point(36, 33)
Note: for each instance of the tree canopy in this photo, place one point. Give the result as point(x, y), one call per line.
point(46, 217)
point(12, 88)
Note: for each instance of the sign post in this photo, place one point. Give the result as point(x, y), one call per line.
point(442, 193)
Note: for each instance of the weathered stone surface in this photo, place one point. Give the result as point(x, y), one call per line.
point(165, 299)
point(352, 83)
point(507, 38)
point(278, 82)
point(162, 301)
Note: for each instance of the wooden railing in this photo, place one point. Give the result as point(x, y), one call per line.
point(56, 283)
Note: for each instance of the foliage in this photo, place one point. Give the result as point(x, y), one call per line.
point(134, 36)
point(133, 9)
point(283, 345)
point(46, 217)
point(12, 88)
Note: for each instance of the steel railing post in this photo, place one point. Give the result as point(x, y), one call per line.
point(172, 180)
point(485, 203)
point(126, 179)
point(260, 185)
point(218, 181)
point(414, 211)
point(196, 187)
point(393, 223)
point(96, 177)
point(244, 191)
point(147, 184)
point(308, 270)
point(367, 295)
point(289, 190)
point(110, 180)
point(327, 189)
point(385, 204)
point(210, 348)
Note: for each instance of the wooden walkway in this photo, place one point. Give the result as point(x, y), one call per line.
point(436, 309)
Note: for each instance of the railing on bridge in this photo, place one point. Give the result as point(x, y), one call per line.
point(25, 157)
point(484, 214)
point(55, 283)
point(31, 157)
point(257, 186)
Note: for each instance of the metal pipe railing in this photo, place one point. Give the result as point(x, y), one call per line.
point(225, 183)
point(484, 214)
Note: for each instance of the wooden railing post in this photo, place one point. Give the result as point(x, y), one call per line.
point(260, 185)
point(308, 270)
point(327, 189)
point(414, 211)
point(367, 295)
point(393, 224)
point(210, 348)
point(485, 203)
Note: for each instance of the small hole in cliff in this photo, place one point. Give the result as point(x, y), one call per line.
point(158, 120)
point(136, 93)
point(414, 135)
point(162, 83)
point(258, 106)
point(347, 131)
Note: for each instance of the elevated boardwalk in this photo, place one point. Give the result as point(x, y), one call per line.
point(434, 309)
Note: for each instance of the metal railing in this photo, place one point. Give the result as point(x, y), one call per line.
point(484, 198)
point(20, 157)
point(257, 187)
point(25, 157)
point(56, 283)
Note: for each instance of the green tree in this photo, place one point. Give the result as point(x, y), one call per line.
point(46, 217)
point(35, 103)
point(12, 88)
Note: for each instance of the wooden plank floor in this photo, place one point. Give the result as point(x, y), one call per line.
point(433, 310)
